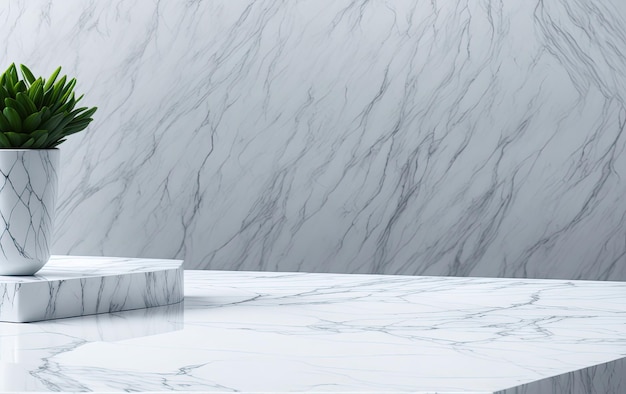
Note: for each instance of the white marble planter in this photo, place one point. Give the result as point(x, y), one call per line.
point(28, 191)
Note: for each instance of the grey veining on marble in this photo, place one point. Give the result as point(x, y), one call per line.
point(267, 332)
point(71, 286)
point(481, 138)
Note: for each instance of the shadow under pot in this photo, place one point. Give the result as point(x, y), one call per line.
point(28, 193)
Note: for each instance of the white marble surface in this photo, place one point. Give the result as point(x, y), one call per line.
point(71, 286)
point(460, 137)
point(279, 332)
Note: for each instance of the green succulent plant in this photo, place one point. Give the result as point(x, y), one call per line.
point(38, 113)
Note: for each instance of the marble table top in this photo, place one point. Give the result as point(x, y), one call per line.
point(279, 332)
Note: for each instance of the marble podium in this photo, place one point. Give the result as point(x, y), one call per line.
point(299, 332)
point(71, 286)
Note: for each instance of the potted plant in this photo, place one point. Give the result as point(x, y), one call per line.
point(36, 115)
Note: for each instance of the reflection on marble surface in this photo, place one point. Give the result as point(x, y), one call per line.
point(278, 332)
point(71, 286)
point(25, 345)
point(28, 343)
point(462, 137)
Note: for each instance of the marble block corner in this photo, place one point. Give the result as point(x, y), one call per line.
point(70, 286)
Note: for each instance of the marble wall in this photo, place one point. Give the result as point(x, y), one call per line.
point(462, 137)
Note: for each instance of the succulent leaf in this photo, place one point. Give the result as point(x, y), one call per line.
point(3, 95)
point(28, 143)
point(71, 103)
point(13, 103)
point(26, 102)
point(52, 78)
point(13, 73)
point(87, 113)
point(32, 122)
point(45, 113)
point(9, 79)
point(41, 140)
point(57, 143)
point(39, 133)
point(4, 141)
point(20, 86)
point(10, 87)
point(56, 91)
point(52, 122)
point(71, 129)
point(17, 139)
point(4, 123)
point(67, 90)
point(28, 76)
point(58, 129)
point(36, 113)
point(36, 93)
point(14, 119)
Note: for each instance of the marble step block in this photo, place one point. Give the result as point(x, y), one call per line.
point(71, 286)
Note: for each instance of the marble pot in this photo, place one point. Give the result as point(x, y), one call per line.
point(28, 193)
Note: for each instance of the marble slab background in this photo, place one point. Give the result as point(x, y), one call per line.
point(481, 138)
